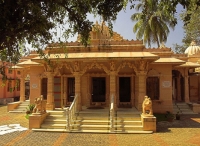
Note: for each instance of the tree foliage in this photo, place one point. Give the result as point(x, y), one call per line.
point(191, 29)
point(33, 21)
point(153, 22)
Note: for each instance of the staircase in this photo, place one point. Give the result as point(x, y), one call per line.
point(55, 121)
point(92, 120)
point(183, 108)
point(95, 121)
point(129, 121)
point(22, 108)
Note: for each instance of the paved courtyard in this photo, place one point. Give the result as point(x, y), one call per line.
point(185, 132)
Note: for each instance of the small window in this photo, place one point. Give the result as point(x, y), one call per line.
point(9, 87)
point(152, 88)
point(10, 71)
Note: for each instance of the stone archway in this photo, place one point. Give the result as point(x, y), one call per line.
point(125, 93)
point(95, 77)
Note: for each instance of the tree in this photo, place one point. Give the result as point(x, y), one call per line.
point(33, 21)
point(191, 30)
point(152, 23)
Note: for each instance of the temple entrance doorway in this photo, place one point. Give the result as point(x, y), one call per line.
point(44, 88)
point(178, 87)
point(98, 89)
point(70, 89)
point(124, 91)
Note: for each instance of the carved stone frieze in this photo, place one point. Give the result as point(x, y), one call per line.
point(112, 66)
point(76, 65)
point(49, 67)
point(59, 66)
point(95, 65)
point(126, 63)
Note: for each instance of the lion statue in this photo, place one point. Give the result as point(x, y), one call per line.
point(147, 106)
point(40, 105)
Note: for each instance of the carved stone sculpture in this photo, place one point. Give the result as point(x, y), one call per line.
point(40, 105)
point(147, 106)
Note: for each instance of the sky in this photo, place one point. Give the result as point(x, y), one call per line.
point(124, 26)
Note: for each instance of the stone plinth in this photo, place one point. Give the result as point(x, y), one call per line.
point(196, 107)
point(12, 106)
point(36, 119)
point(149, 122)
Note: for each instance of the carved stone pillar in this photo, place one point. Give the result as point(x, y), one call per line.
point(113, 86)
point(186, 90)
point(77, 76)
point(50, 91)
point(22, 88)
point(140, 88)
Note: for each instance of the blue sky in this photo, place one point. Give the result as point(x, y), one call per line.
point(124, 26)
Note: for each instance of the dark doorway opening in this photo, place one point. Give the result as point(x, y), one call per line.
point(44, 88)
point(124, 89)
point(71, 89)
point(98, 89)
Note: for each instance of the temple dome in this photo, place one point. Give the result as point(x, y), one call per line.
point(192, 49)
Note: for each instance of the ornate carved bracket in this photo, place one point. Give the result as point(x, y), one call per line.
point(60, 66)
point(130, 65)
point(76, 66)
point(95, 65)
point(49, 67)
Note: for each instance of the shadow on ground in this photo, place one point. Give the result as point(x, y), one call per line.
point(186, 121)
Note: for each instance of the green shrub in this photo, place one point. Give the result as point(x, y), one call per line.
point(29, 109)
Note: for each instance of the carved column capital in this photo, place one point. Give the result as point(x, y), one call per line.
point(49, 74)
point(113, 73)
point(76, 74)
point(141, 73)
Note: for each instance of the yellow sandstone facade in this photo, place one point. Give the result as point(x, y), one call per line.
point(111, 66)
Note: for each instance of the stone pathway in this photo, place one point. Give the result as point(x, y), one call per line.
point(185, 132)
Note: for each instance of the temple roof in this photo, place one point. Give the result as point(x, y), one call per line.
point(189, 64)
point(28, 63)
point(90, 55)
point(192, 49)
point(168, 61)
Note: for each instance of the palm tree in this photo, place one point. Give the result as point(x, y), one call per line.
point(152, 23)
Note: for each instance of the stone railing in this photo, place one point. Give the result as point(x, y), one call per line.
point(70, 112)
point(112, 113)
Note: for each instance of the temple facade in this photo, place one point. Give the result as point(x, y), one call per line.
point(111, 67)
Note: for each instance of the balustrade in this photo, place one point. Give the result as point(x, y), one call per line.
point(70, 112)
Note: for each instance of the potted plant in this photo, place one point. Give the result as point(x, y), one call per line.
point(169, 116)
point(29, 110)
point(178, 116)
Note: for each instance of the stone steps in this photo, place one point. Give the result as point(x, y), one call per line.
point(183, 108)
point(21, 108)
point(55, 120)
point(94, 121)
